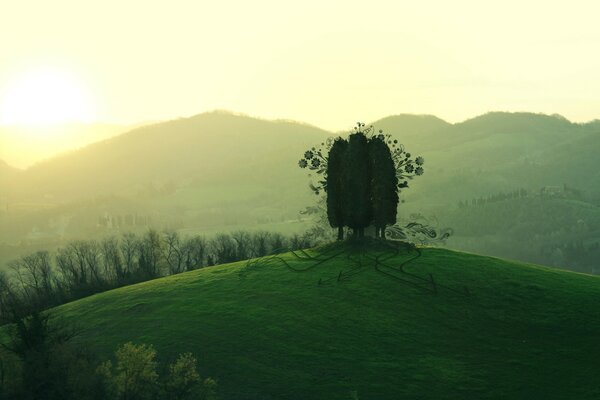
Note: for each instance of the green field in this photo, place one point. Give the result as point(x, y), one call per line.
point(294, 328)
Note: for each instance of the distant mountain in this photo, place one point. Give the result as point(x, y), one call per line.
point(503, 151)
point(7, 173)
point(214, 148)
point(409, 128)
point(24, 145)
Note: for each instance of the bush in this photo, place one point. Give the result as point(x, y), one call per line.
point(135, 376)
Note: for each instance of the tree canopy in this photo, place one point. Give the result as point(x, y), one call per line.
point(362, 176)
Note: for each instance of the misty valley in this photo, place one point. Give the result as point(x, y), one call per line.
point(506, 184)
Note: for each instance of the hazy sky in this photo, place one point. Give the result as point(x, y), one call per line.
point(328, 63)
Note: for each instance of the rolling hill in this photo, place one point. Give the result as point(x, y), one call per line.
point(210, 147)
point(220, 171)
point(210, 172)
point(7, 173)
point(24, 145)
point(392, 325)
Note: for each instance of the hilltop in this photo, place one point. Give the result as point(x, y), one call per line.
point(7, 172)
point(293, 327)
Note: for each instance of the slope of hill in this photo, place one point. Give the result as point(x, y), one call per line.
point(487, 329)
point(207, 147)
point(503, 152)
point(24, 145)
point(7, 173)
point(412, 128)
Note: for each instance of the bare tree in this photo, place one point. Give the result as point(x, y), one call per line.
point(260, 243)
point(173, 252)
point(67, 265)
point(129, 245)
point(243, 242)
point(194, 250)
point(150, 253)
point(34, 274)
point(112, 260)
point(278, 243)
point(223, 248)
point(87, 254)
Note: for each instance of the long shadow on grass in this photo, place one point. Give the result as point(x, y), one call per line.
point(360, 258)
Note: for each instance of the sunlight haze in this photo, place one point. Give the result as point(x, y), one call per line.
point(308, 200)
point(324, 63)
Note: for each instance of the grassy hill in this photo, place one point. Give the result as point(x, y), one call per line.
point(293, 327)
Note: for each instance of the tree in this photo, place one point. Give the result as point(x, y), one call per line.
point(194, 250)
point(335, 185)
point(50, 366)
point(150, 252)
point(173, 252)
point(357, 206)
point(134, 376)
point(363, 177)
point(260, 243)
point(112, 260)
point(384, 186)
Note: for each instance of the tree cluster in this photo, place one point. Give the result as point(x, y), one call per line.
point(362, 178)
point(41, 361)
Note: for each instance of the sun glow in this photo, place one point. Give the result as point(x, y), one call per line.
point(44, 96)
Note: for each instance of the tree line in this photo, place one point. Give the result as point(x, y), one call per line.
point(501, 196)
point(44, 279)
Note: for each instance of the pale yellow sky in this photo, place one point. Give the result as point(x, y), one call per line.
point(328, 63)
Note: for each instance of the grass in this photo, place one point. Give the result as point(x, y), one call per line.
point(267, 332)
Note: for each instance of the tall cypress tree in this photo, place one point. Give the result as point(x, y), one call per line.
point(384, 185)
point(357, 179)
point(335, 185)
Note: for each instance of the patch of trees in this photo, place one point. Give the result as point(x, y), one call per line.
point(41, 361)
point(362, 177)
point(494, 198)
point(42, 280)
point(549, 231)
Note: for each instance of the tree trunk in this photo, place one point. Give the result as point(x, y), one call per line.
point(340, 233)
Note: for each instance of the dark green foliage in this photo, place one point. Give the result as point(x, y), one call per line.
point(135, 376)
point(384, 185)
point(531, 226)
point(357, 182)
point(363, 176)
point(50, 366)
point(335, 185)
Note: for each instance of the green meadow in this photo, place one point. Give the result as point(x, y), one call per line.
point(384, 322)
